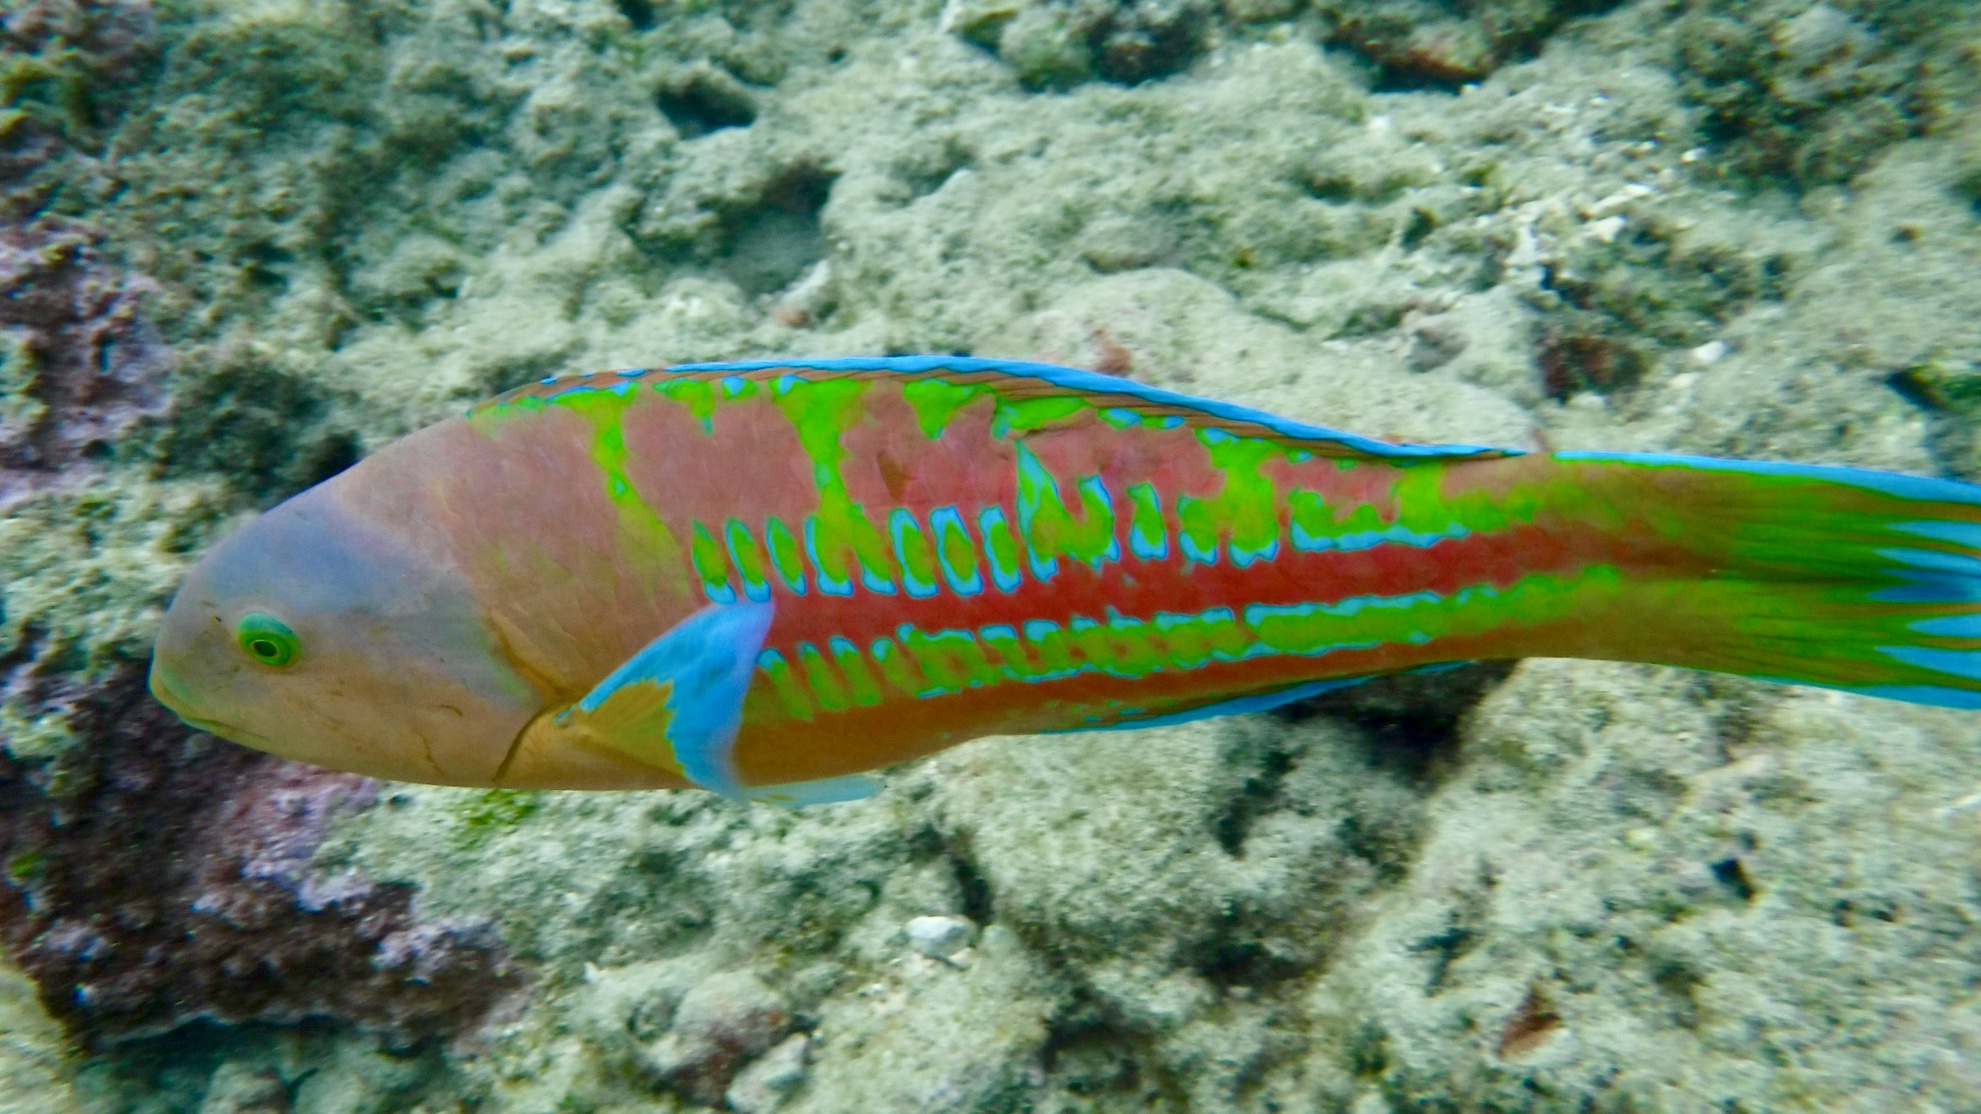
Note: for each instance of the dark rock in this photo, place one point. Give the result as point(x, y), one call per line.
point(156, 877)
point(1145, 39)
point(1446, 42)
point(1064, 42)
point(84, 365)
point(1530, 1026)
point(1575, 362)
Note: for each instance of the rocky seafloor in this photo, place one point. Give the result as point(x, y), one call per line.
point(244, 241)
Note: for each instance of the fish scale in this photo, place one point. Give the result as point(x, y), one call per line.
point(761, 578)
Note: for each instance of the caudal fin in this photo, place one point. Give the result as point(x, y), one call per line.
point(1848, 579)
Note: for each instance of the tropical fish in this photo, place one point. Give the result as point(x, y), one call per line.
point(764, 579)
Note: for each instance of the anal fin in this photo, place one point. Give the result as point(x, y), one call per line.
point(825, 791)
point(1253, 702)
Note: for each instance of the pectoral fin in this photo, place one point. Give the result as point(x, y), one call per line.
point(678, 702)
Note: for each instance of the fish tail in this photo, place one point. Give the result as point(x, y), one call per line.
point(1849, 579)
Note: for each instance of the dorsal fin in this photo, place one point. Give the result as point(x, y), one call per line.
point(1018, 381)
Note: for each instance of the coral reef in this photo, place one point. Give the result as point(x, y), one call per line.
point(67, 67)
point(1813, 92)
point(1710, 227)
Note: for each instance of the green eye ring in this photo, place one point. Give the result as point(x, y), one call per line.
point(267, 639)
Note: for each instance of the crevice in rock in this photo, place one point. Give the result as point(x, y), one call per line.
point(1228, 963)
point(1530, 1025)
point(1091, 1055)
point(639, 13)
point(1412, 719)
point(706, 99)
point(979, 903)
point(927, 169)
point(774, 242)
point(1443, 948)
point(1257, 797)
point(1438, 45)
point(1732, 877)
point(1145, 39)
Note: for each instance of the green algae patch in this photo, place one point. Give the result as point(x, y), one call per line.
point(1950, 390)
point(496, 812)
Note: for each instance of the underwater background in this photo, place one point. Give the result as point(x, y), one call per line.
point(243, 242)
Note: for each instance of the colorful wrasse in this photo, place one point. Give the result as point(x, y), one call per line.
point(763, 578)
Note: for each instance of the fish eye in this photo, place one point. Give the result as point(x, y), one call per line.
point(267, 639)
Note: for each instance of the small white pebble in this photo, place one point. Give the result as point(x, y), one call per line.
point(1633, 191)
point(1683, 380)
point(1711, 352)
point(941, 937)
point(1692, 155)
point(1606, 230)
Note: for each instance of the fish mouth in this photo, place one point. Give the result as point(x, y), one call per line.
point(165, 690)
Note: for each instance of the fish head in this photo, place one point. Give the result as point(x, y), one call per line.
point(335, 637)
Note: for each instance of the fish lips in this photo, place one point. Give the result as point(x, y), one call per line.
point(166, 691)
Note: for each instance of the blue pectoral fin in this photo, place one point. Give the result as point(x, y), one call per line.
point(678, 702)
point(825, 791)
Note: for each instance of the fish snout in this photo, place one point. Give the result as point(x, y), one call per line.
point(168, 690)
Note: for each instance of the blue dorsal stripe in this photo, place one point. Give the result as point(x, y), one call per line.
point(1075, 379)
point(1919, 488)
